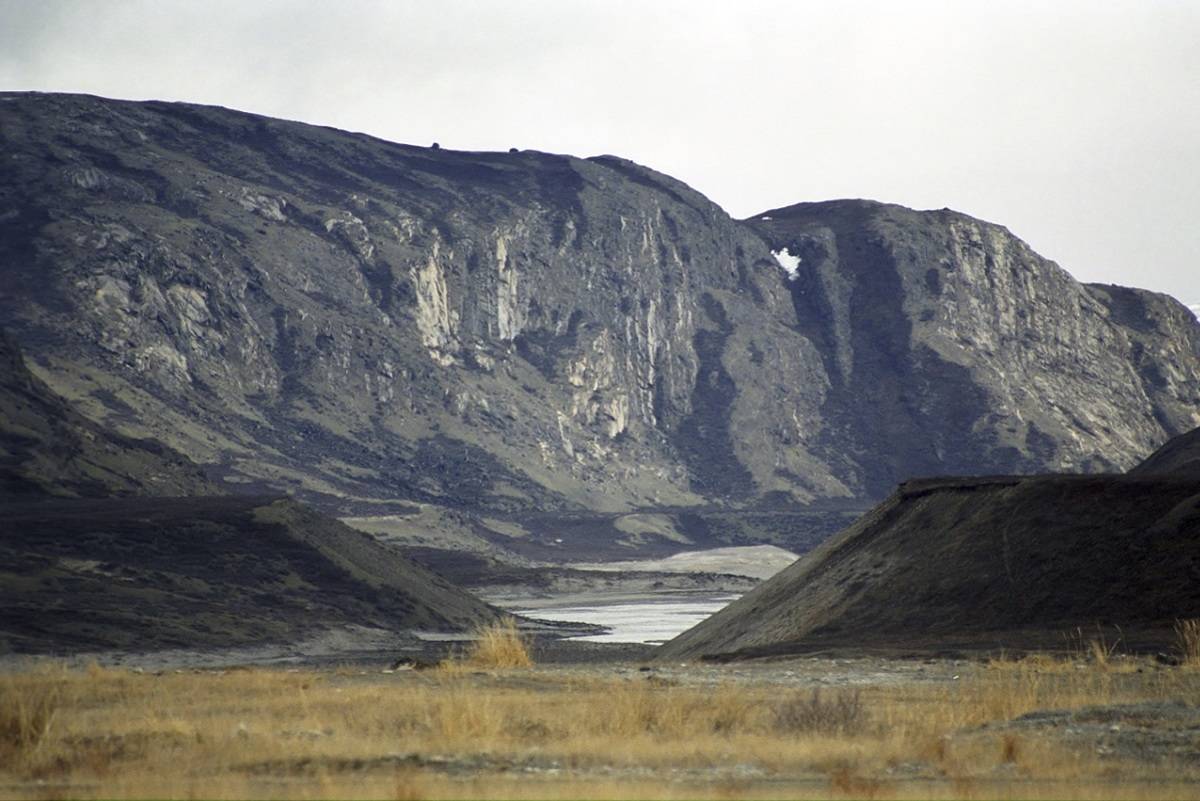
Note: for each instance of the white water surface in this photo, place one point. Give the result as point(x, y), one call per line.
point(641, 621)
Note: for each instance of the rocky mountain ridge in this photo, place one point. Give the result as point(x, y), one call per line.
point(364, 323)
point(951, 346)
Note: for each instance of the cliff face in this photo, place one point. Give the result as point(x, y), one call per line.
point(362, 322)
point(953, 348)
point(1164, 346)
point(358, 319)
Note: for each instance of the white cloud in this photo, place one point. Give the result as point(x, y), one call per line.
point(1073, 123)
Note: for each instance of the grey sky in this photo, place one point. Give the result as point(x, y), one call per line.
point(1077, 125)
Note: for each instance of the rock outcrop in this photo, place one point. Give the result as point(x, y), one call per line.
point(361, 322)
point(952, 348)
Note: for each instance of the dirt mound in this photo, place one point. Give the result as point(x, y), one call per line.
point(983, 563)
point(1180, 457)
point(153, 573)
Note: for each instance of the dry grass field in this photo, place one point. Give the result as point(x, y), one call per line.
point(1085, 727)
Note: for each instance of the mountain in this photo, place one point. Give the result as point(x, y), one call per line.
point(952, 348)
point(985, 563)
point(151, 573)
point(543, 341)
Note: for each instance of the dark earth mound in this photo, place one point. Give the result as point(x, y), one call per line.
point(1179, 458)
point(987, 563)
point(153, 573)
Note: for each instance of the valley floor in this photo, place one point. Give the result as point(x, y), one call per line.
point(1077, 727)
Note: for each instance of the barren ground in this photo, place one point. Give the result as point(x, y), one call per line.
point(608, 726)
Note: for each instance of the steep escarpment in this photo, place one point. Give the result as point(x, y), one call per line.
point(985, 563)
point(367, 324)
point(952, 347)
point(359, 320)
point(1164, 344)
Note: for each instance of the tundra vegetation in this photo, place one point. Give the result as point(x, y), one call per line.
point(1048, 726)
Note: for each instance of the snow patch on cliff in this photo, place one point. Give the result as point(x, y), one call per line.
point(788, 262)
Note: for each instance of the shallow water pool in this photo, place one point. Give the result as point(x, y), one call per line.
point(643, 621)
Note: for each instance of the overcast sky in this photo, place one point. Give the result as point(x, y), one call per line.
point(1077, 125)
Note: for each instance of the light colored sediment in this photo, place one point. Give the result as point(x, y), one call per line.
point(755, 561)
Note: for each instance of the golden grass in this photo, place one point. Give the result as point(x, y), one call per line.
point(494, 646)
point(500, 645)
point(546, 733)
point(29, 705)
point(1187, 637)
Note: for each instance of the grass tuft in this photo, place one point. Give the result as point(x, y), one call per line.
point(499, 646)
point(842, 714)
point(1187, 637)
point(1010, 749)
point(28, 708)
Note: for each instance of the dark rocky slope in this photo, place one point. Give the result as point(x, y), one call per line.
point(355, 319)
point(1179, 458)
point(46, 448)
point(522, 334)
point(145, 573)
point(987, 563)
point(150, 573)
